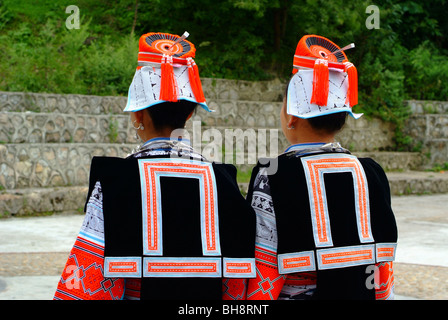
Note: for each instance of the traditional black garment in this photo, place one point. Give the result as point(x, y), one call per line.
point(180, 225)
point(333, 215)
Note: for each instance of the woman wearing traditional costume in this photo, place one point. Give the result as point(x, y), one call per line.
point(162, 223)
point(325, 226)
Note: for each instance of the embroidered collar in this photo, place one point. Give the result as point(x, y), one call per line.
point(166, 147)
point(164, 140)
point(302, 146)
point(302, 149)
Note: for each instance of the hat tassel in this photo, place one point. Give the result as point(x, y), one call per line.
point(352, 94)
point(168, 83)
point(321, 84)
point(195, 81)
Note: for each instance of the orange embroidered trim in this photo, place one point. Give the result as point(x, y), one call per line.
point(181, 267)
point(315, 167)
point(296, 262)
point(385, 251)
point(239, 267)
point(122, 267)
point(151, 170)
point(345, 256)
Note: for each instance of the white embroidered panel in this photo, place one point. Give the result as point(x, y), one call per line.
point(144, 90)
point(315, 167)
point(182, 267)
point(385, 251)
point(126, 267)
point(239, 268)
point(300, 91)
point(341, 257)
point(151, 170)
point(296, 262)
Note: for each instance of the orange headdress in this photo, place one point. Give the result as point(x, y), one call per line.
point(163, 59)
point(319, 53)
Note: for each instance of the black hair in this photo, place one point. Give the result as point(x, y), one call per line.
point(171, 115)
point(329, 124)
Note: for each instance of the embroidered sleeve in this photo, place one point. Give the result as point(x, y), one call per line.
point(238, 243)
point(234, 289)
point(268, 283)
point(83, 275)
point(384, 281)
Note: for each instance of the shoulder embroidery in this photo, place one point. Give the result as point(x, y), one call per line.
point(150, 172)
point(315, 167)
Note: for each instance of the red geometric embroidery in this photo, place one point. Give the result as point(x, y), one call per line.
point(269, 283)
point(83, 279)
point(234, 289)
point(385, 280)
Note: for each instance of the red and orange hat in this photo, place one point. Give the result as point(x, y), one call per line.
point(324, 80)
point(166, 72)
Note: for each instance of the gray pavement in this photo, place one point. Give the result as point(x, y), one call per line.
point(33, 251)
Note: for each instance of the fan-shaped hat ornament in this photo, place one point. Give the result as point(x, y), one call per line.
point(333, 76)
point(166, 72)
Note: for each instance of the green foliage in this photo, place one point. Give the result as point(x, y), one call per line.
point(427, 73)
point(113, 130)
point(237, 39)
point(55, 59)
point(439, 167)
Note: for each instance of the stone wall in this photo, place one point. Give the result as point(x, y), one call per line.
point(40, 165)
point(71, 118)
point(428, 127)
point(29, 127)
point(48, 140)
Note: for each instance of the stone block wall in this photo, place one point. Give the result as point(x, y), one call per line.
point(47, 140)
point(30, 127)
point(41, 165)
point(428, 127)
point(257, 105)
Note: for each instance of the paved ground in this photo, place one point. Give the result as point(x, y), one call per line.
point(33, 251)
